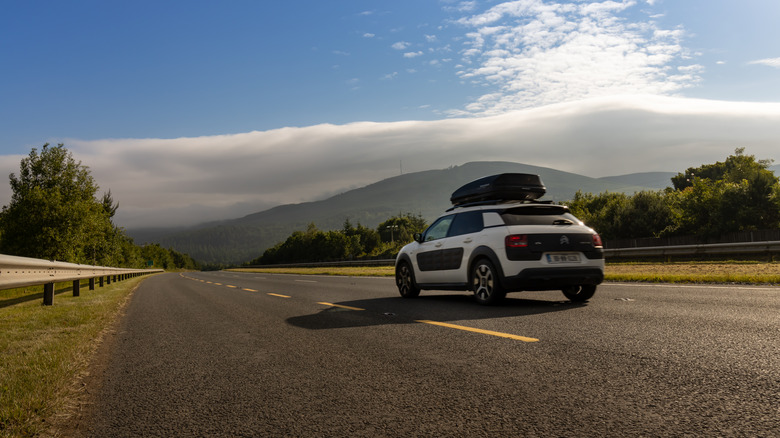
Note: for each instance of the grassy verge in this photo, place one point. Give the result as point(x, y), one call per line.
point(688, 272)
point(696, 272)
point(43, 349)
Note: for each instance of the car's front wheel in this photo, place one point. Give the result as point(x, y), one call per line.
point(580, 293)
point(404, 279)
point(484, 283)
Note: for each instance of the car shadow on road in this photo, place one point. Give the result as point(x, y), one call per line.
point(441, 308)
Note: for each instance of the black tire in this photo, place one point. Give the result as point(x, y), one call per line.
point(485, 283)
point(404, 279)
point(579, 294)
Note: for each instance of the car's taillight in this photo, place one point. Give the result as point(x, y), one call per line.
point(597, 241)
point(517, 241)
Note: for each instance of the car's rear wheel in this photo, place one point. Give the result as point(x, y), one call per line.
point(579, 293)
point(484, 283)
point(404, 279)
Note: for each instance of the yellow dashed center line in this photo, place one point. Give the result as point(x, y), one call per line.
point(231, 286)
point(484, 332)
point(279, 295)
point(248, 289)
point(341, 306)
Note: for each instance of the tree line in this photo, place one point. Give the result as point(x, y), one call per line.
point(738, 194)
point(55, 213)
point(349, 243)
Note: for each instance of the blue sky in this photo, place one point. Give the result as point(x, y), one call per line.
point(105, 69)
point(103, 75)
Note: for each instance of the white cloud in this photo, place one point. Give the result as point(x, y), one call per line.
point(413, 54)
point(368, 35)
point(188, 180)
point(400, 45)
point(462, 7)
point(771, 62)
point(532, 53)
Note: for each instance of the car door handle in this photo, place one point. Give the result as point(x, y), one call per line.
point(438, 245)
point(469, 240)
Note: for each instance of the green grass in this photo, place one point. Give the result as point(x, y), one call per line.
point(44, 349)
point(729, 272)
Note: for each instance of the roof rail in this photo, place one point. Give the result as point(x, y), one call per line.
point(499, 201)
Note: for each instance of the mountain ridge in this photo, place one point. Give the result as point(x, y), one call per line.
point(424, 193)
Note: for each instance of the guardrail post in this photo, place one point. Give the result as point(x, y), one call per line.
point(76, 287)
point(92, 283)
point(108, 279)
point(100, 281)
point(48, 294)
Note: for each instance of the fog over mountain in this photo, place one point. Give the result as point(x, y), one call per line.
point(425, 193)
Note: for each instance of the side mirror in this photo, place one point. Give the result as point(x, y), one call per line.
point(418, 237)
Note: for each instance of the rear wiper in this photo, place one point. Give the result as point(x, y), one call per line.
point(562, 222)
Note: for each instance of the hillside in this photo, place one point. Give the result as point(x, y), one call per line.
point(425, 193)
point(651, 180)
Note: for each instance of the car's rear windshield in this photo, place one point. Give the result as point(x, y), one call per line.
point(541, 215)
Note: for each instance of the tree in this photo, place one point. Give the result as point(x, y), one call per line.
point(735, 169)
point(53, 213)
point(367, 239)
point(401, 228)
point(605, 212)
point(158, 256)
point(737, 194)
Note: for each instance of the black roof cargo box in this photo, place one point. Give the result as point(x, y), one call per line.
point(501, 187)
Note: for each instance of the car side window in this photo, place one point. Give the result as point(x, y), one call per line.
point(439, 229)
point(466, 223)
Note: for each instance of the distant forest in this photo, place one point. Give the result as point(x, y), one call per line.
point(349, 243)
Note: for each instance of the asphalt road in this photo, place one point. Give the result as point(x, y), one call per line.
point(238, 354)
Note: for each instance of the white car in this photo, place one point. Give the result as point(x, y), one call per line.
point(494, 246)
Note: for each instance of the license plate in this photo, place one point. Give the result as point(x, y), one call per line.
point(563, 258)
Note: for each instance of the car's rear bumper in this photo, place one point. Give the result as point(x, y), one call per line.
point(552, 278)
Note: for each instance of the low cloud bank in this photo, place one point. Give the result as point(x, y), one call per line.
point(184, 181)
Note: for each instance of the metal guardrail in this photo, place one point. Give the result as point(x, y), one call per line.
point(694, 250)
point(649, 251)
point(23, 271)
